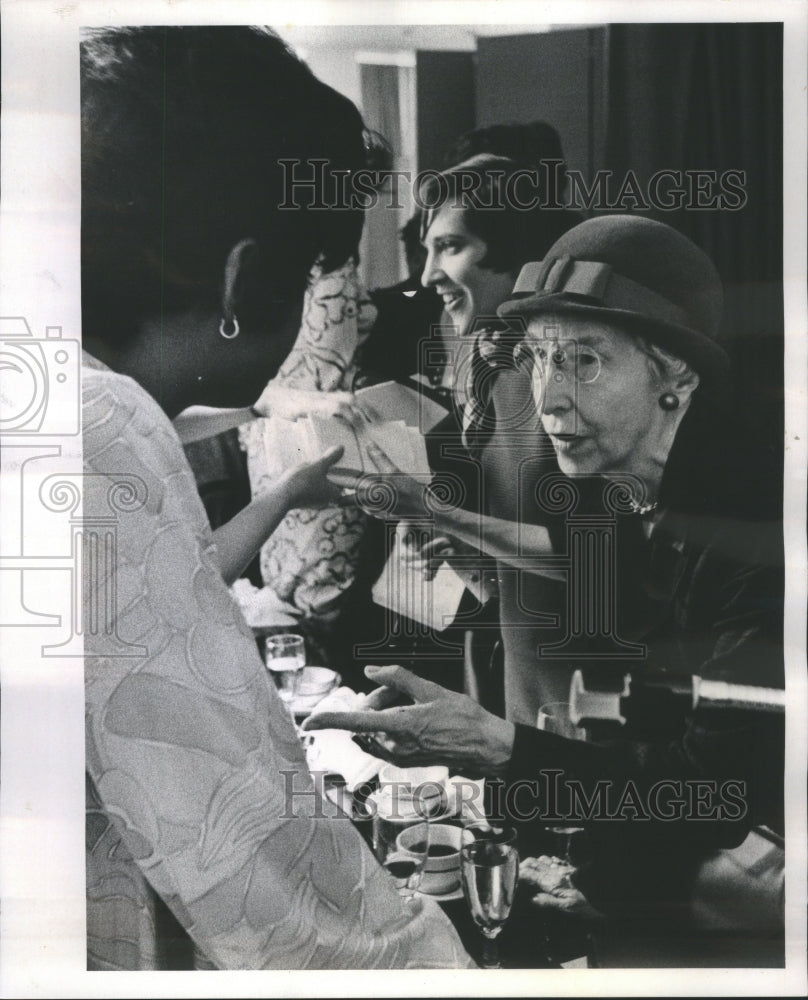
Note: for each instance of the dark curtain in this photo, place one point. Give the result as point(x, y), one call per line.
point(709, 96)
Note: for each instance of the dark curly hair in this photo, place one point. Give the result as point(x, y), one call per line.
point(183, 134)
point(495, 210)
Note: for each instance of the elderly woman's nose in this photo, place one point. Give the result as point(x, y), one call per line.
point(558, 389)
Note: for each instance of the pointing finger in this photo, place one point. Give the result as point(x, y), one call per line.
point(404, 680)
point(328, 458)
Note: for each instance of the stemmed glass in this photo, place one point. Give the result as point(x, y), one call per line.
point(400, 838)
point(554, 717)
point(489, 866)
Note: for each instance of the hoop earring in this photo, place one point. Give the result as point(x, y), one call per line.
point(232, 324)
point(669, 401)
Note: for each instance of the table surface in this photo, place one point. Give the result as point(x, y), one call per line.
point(531, 939)
point(535, 938)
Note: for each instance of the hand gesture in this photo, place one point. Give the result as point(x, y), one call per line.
point(307, 484)
point(440, 727)
point(428, 557)
point(387, 493)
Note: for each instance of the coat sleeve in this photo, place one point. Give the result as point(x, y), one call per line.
point(661, 805)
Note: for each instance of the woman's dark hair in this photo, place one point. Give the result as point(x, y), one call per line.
point(194, 138)
point(533, 144)
point(494, 192)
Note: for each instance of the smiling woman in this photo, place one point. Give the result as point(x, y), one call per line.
point(478, 233)
point(454, 269)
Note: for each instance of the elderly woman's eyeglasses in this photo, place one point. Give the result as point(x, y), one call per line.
point(559, 361)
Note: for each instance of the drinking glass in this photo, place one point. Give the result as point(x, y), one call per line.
point(400, 838)
point(554, 717)
point(285, 657)
point(489, 866)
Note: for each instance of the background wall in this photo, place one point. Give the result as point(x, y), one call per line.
point(555, 77)
point(445, 93)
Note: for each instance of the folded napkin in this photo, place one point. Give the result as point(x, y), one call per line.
point(466, 798)
point(333, 750)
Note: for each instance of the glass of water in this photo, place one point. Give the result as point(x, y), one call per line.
point(489, 865)
point(285, 657)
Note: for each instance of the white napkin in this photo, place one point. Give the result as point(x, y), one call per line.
point(334, 750)
point(466, 798)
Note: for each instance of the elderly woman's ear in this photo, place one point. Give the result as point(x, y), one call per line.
point(682, 386)
point(240, 271)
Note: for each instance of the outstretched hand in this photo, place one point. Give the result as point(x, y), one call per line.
point(440, 727)
point(386, 493)
point(308, 485)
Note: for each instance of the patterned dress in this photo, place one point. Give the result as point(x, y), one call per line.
point(311, 558)
point(200, 806)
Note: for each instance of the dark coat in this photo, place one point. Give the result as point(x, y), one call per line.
point(704, 596)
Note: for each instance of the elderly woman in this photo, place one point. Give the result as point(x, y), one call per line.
point(621, 320)
point(203, 823)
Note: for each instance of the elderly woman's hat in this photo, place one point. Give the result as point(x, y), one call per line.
point(638, 273)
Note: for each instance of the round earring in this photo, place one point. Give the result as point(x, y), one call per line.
point(229, 328)
point(669, 401)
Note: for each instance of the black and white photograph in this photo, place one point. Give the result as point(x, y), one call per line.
point(403, 428)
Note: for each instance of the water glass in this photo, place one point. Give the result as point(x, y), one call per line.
point(489, 866)
point(285, 658)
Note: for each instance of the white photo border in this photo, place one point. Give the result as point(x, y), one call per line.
point(42, 933)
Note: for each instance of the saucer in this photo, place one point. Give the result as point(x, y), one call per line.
point(443, 897)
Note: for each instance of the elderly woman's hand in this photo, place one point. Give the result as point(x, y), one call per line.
point(441, 727)
point(553, 889)
point(387, 493)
